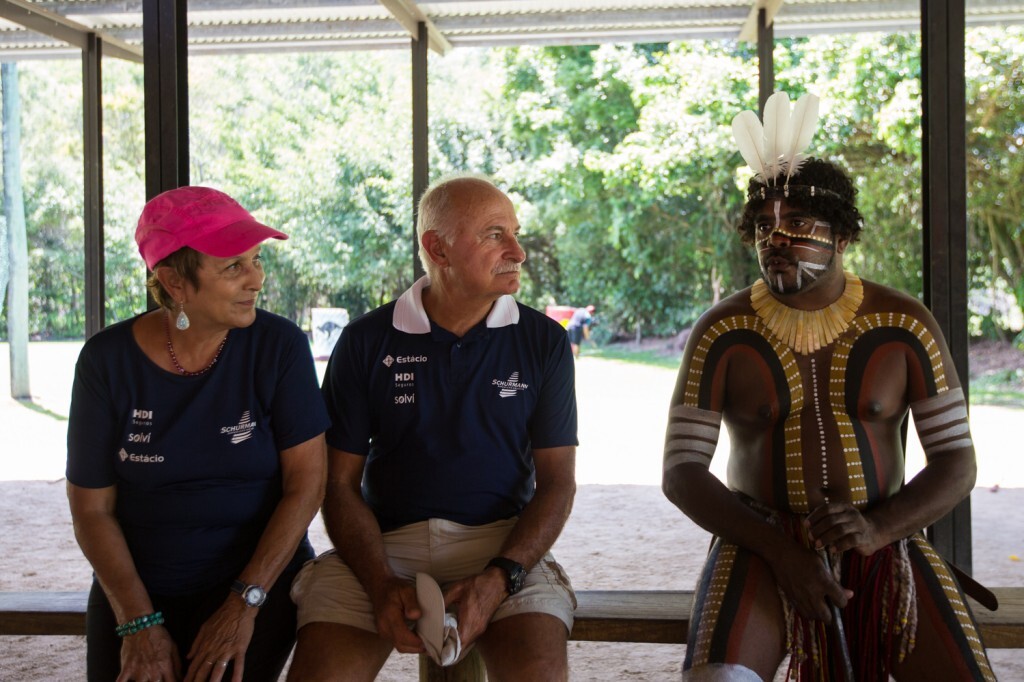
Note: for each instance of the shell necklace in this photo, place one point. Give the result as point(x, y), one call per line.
point(806, 331)
point(174, 358)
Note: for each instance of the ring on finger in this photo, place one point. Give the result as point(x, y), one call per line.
point(222, 663)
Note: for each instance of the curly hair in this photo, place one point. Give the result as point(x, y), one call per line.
point(836, 204)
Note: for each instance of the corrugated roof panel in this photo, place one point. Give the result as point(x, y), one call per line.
point(263, 25)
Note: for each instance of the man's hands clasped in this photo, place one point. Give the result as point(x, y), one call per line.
point(842, 527)
point(475, 599)
point(835, 527)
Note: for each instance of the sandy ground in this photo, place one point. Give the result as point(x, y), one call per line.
point(622, 533)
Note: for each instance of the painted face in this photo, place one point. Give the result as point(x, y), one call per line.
point(228, 290)
point(485, 257)
point(794, 248)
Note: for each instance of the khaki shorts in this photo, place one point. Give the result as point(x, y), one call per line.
point(327, 591)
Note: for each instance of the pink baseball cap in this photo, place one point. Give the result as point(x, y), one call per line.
point(205, 219)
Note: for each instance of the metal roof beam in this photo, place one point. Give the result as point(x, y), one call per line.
point(55, 26)
point(87, 7)
point(409, 15)
point(562, 38)
point(312, 30)
point(800, 19)
point(597, 19)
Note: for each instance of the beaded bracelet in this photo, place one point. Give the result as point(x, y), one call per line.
point(139, 624)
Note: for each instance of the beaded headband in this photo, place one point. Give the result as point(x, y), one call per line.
point(784, 192)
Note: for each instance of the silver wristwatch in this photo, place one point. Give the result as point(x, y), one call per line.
point(252, 595)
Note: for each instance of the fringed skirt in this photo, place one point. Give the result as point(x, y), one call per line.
point(880, 621)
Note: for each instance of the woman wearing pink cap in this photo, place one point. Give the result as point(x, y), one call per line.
point(196, 458)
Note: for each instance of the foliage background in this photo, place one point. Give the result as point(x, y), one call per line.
point(620, 159)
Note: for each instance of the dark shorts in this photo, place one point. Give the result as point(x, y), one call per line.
point(271, 644)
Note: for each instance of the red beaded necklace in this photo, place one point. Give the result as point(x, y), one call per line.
point(174, 358)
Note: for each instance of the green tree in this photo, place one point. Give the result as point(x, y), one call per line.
point(318, 146)
point(995, 157)
point(619, 158)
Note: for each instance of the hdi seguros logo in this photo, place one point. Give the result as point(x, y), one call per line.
point(142, 417)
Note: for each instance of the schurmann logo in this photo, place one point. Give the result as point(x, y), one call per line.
point(139, 459)
point(242, 431)
point(508, 389)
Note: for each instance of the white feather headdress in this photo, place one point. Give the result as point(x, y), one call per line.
point(775, 150)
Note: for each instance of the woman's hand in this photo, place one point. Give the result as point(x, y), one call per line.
point(222, 639)
point(149, 656)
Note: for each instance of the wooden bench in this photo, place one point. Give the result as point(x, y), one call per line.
point(653, 617)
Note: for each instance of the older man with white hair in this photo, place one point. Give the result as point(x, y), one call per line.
point(452, 453)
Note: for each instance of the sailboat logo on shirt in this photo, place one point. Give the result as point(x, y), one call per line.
point(241, 431)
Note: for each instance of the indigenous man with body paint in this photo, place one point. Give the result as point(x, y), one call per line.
point(818, 551)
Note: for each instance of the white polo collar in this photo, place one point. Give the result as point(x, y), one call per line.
point(411, 318)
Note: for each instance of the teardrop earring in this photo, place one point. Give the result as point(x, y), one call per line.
point(182, 322)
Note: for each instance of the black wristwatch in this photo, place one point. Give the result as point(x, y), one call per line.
point(252, 595)
point(516, 574)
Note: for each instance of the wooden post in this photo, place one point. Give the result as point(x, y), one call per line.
point(420, 141)
point(470, 669)
point(165, 60)
point(944, 204)
point(17, 241)
point(92, 129)
point(765, 59)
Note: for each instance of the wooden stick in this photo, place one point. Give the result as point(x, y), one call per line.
point(838, 631)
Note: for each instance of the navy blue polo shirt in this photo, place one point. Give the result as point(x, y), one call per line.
point(448, 424)
point(196, 460)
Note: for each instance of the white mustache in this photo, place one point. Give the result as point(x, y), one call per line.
point(508, 267)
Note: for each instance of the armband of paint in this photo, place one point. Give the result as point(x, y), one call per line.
point(941, 422)
point(691, 437)
point(139, 624)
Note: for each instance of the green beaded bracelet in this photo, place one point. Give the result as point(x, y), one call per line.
point(139, 624)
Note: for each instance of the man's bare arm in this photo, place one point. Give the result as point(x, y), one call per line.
point(947, 478)
point(539, 525)
point(356, 535)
